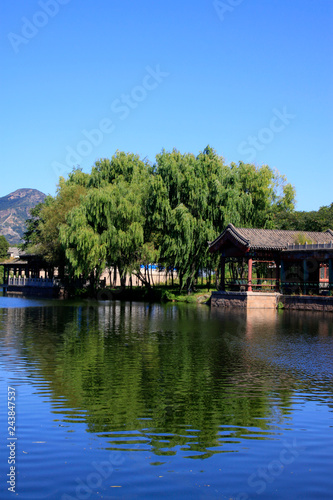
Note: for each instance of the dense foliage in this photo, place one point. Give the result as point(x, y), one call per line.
point(320, 220)
point(128, 213)
point(4, 245)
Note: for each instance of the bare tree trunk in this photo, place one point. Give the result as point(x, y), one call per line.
point(188, 286)
point(217, 275)
point(148, 275)
point(122, 276)
point(142, 278)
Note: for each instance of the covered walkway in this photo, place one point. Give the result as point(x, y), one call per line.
point(28, 272)
point(273, 260)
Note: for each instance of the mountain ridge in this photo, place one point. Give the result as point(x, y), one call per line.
point(15, 209)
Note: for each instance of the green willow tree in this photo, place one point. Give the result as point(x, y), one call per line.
point(319, 220)
point(107, 228)
point(192, 199)
point(4, 245)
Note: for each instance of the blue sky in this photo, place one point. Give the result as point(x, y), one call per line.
point(251, 78)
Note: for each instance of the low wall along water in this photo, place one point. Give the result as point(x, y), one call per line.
point(257, 300)
point(307, 302)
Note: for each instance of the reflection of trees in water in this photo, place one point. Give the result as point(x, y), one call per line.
point(298, 348)
point(160, 370)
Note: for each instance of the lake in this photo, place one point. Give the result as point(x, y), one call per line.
point(136, 400)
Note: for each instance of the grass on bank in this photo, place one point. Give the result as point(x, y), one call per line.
point(174, 295)
point(201, 294)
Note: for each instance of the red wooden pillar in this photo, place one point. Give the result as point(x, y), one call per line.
point(249, 276)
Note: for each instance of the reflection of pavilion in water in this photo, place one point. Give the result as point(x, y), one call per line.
point(282, 341)
point(261, 318)
point(270, 322)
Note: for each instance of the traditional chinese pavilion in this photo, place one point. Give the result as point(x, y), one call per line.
point(30, 274)
point(293, 267)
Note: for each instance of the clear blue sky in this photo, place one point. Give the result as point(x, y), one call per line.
point(251, 78)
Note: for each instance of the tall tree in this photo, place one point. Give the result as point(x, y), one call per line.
point(4, 245)
point(319, 220)
point(192, 199)
point(107, 228)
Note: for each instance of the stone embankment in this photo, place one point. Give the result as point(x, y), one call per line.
point(257, 300)
point(307, 302)
point(248, 300)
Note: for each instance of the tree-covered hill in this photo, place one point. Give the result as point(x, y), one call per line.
point(316, 220)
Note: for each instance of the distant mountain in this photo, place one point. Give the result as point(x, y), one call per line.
point(14, 210)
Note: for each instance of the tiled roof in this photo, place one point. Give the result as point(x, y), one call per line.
point(267, 239)
point(13, 260)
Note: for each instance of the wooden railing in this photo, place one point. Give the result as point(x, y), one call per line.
point(257, 284)
point(35, 282)
point(285, 287)
point(305, 288)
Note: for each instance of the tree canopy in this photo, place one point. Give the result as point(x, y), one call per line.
point(319, 220)
point(194, 198)
point(4, 245)
point(107, 227)
point(128, 213)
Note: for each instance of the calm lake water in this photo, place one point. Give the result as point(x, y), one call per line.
point(131, 400)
